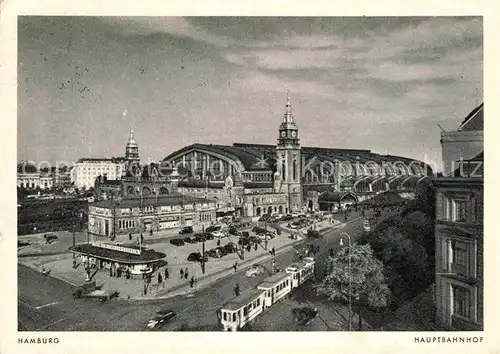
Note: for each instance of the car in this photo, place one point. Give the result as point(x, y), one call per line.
point(218, 234)
point(233, 231)
point(189, 239)
point(254, 271)
point(230, 247)
point(304, 315)
point(221, 250)
point(245, 234)
point(214, 253)
point(186, 230)
point(208, 236)
point(160, 318)
point(313, 233)
point(213, 228)
point(199, 237)
point(196, 257)
point(177, 242)
point(49, 238)
point(264, 217)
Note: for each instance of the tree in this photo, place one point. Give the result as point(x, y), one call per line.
point(368, 286)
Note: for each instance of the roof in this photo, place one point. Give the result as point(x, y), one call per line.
point(146, 256)
point(171, 199)
point(200, 183)
point(256, 157)
point(243, 299)
point(474, 120)
point(101, 159)
point(388, 197)
point(332, 196)
point(273, 280)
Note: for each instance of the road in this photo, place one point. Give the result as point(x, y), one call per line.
point(46, 304)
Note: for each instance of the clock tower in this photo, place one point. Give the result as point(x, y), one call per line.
point(289, 159)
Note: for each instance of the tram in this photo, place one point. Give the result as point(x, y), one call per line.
point(245, 307)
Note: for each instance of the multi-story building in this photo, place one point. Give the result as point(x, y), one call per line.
point(300, 173)
point(459, 227)
point(86, 170)
point(149, 213)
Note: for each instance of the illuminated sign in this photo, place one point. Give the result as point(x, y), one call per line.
point(116, 248)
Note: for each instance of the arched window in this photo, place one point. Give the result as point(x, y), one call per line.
point(294, 169)
point(283, 168)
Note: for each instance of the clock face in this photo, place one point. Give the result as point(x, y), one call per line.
point(294, 134)
point(283, 134)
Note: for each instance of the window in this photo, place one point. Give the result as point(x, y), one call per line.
point(234, 317)
point(461, 301)
point(460, 210)
point(245, 311)
point(224, 315)
point(258, 302)
point(459, 258)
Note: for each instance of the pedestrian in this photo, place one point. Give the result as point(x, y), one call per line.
point(186, 274)
point(191, 282)
point(145, 288)
point(255, 246)
point(182, 273)
point(237, 290)
point(218, 242)
point(142, 238)
point(273, 251)
point(234, 266)
point(160, 280)
point(151, 232)
point(166, 273)
point(249, 248)
point(130, 236)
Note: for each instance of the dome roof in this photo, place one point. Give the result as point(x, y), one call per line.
point(131, 140)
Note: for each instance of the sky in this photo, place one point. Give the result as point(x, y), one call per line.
point(376, 83)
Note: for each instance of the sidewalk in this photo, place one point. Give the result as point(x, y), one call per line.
point(61, 267)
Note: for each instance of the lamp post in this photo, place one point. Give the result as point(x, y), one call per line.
point(350, 276)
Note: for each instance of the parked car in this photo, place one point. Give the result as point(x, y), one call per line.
point(196, 257)
point(186, 230)
point(177, 242)
point(214, 253)
point(190, 239)
point(221, 250)
point(233, 231)
point(199, 237)
point(305, 315)
point(245, 234)
point(208, 236)
point(218, 234)
point(213, 228)
point(254, 270)
point(313, 233)
point(161, 317)
point(230, 247)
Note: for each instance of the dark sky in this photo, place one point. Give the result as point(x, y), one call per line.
point(372, 83)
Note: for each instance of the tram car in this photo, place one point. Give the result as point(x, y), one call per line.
point(242, 309)
point(245, 307)
point(275, 288)
point(301, 271)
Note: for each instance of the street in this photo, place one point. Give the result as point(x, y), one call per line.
point(46, 304)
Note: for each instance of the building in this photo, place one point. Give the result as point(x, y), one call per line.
point(136, 259)
point(30, 177)
point(291, 171)
point(459, 227)
point(149, 213)
point(86, 170)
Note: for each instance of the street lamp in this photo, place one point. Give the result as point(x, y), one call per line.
point(350, 276)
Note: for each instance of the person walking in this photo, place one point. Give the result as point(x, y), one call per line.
point(237, 290)
point(166, 273)
point(255, 246)
point(218, 242)
point(234, 266)
point(273, 251)
point(186, 274)
point(182, 273)
point(160, 281)
point(191, 282)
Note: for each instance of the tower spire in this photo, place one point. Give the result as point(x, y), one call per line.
point(131, 136)
point(288, 117)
